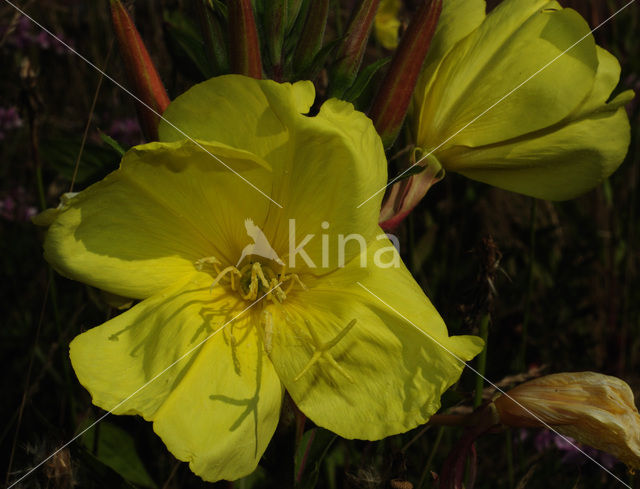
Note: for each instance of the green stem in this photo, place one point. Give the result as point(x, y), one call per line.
point(427, 466)
point(509, 449)
point(482, 360)
point(338, 17)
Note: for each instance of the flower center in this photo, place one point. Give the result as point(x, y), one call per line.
point(253, 280)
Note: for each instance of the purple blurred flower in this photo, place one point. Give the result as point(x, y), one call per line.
point(24, 34)
point(9, 120)
point(14, 205)
point(20, 36)
point(546, 440)
point(126, 131)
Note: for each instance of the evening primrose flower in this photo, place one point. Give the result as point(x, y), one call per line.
point(594, 409)
point(241, 269)
point(500, 103)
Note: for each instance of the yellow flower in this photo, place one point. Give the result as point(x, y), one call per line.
point(386, 23)
point(231, 312)
point(593, 408)
point(519, 99)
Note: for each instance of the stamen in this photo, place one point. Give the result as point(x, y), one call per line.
point(229, 269)
point(209, 260)
point(252, 279)
point(293, 279)
point(322, 350)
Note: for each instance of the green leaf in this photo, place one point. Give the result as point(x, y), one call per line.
point(364, 79)
point(346, 66)
point(112, 143)
point(311, 39)
point(319, 61)
point(61, 153)
point(313, 448)
point(116, 449)
point(255, 479)
point(212, 19)
point(293, 36)
point(293, 10)
point(219, 8)
point(186, 42)
point(276, 12)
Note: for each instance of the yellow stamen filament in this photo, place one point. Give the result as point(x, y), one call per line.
point(322, 350)
point(252, 279)
point(227, 271)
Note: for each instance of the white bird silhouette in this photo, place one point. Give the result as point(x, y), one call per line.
point(260, 245)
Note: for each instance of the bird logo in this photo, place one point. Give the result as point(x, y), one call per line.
point(260, 245)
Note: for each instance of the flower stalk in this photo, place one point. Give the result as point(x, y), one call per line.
point(392, 100)
point(245, 45)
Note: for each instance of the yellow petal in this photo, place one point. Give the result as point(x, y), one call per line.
point(383, 374)
point(238, 111)
point(557, 164)
point(606, 80)
point(213, 396)
point(315, 193)
point(309, 157)
point(142, 227)
point(457, 20)
point(516, 53)
point(222, 415)
point(115, 359)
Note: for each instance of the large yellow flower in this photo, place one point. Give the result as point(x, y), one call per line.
point(176, 229)
point(520, 99)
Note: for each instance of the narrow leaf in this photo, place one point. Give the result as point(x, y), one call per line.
point(187, 44)
point(275, 25)
point(293, 10)
point(112, 143)
point(116, 449)
point(215, 40)
point(351, 51)
point(310, 41)
point(364, 79)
